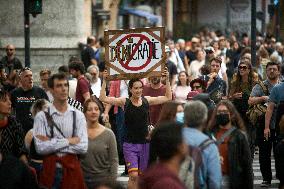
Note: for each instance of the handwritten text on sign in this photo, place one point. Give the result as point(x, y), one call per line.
point(135, 52)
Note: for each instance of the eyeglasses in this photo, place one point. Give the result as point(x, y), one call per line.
point(10, 49)
point(243, 67)
point(196, 87)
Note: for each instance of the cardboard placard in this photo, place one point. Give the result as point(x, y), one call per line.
point(135, 53)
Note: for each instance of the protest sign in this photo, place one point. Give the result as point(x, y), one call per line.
point(135, 53)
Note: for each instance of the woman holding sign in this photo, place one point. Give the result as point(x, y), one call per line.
point(136, 108)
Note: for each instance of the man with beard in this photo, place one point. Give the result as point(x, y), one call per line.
point(83, 89)
point(154, 88)
point(216, 86)
point(10, 62)
point(260, 95)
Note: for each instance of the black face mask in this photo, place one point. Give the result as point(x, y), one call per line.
point(222, 119)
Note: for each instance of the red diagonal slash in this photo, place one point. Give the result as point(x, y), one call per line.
point(126, 64)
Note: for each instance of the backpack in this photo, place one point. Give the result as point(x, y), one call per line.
point(191, 168)
point(258, 110)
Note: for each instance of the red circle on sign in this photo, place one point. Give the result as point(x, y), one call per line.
point(126, 64)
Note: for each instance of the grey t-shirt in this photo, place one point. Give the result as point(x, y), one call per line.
point(101, 160)
point(257, 91)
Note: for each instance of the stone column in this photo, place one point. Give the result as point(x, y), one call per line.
point(54, 34)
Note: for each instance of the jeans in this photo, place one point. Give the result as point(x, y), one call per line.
point(57, 178)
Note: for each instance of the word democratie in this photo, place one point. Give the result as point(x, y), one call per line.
point(134, 51)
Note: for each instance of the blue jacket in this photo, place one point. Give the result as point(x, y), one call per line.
point(211, 169)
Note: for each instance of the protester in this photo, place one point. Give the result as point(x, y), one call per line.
point(136, 107)
point(172, 68)
point(77, 70)
point(259, 96)
point(5, 84)
point(242, 83)
point(195, 115)
point(24, 96)
point(191, 53)
point(10, 62)
point(164, 174)
point(170, 112)
point(15, 174)
point(194, 67)
point(174, 57)
point(198, 85)
point(95, 81)
point(71, 81)
point(216, 86)
point(182, 53)
point(275, 102)
point(279, 155)
point(11, 131)
point(154, 88)
point(182, 88)
point(60, 135)
point(88, 53)
point(228, 130)
point(117, 89)
point(35, 159)
point(44, 75)
point(101, 160)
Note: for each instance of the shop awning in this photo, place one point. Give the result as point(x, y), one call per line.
point(149, 16)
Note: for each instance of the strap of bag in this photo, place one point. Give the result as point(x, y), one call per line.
point(74, 124)
point(263, 87)
point(205, 143)
point(52, 124)
point(225, 135)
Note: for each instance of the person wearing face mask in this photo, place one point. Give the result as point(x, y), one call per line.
point(171, 111)
point(227, 128)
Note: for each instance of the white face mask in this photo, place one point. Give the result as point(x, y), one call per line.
point(180, 117)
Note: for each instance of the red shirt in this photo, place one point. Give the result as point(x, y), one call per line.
point(83, 86)
point(159, 177)
point(223, 149)
point(154, 109)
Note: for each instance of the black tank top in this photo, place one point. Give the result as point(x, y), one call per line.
point(136, 121)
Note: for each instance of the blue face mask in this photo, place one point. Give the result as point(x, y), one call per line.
point(179, 117)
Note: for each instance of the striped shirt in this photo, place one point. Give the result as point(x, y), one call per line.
point(58, 143)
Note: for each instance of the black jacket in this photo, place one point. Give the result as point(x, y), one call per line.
point(240, 162)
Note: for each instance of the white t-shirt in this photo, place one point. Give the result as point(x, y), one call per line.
point(124, 88)
point(194, 68)
point(96, 87)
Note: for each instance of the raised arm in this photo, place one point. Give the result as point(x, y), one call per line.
point(110, 100)
point(162, 99)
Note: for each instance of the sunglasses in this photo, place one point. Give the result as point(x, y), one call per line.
point(243, 67)
point(10, 49)
point(196, 87)
point(25, 69)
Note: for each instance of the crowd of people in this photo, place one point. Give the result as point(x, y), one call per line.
point(198, 125)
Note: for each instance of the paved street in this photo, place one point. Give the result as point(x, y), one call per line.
point(258, 177)
point(256, 170)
